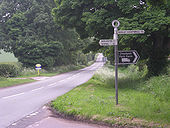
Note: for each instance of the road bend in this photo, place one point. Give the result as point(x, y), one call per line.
point(20, 101)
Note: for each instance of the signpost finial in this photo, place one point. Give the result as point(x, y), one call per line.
point(115, 23)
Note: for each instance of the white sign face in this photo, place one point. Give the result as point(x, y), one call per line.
point(128, 57)
point(107, 42)
point(37, 68)
point(131, 32)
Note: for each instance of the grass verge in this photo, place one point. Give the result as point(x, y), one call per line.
point(6, 82)
point(143, 103)
point(27, 73)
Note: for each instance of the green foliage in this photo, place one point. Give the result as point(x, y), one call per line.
point(28, 30)
point(93, 19)
point(159, 87)
point(7, 70)
point(153, 45)
point(34, 52)
point(139, 99)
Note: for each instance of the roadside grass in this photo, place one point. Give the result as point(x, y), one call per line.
point(27, 73)
point(143, 103)
point(6, 82)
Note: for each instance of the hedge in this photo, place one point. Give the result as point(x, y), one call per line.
point(9, 70)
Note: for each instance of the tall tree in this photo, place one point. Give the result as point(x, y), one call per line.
point(92, 18)
point(28, 30)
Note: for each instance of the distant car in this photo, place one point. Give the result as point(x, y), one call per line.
point(125, 60)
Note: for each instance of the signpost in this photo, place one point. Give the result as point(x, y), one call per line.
point(131, 32)
point(128, 57)
point(107, 42)
point(121, 57)
point(38, 68)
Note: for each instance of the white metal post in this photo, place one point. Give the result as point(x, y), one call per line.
point(116, 24)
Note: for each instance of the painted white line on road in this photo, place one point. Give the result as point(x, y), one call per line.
point(73, 76)
point(61, 81)
point(77, 74)
point(14, 124)
point(12, 96)
point(52, 84)
point(37, 89)
point(44, 107)
point(69, 78)
point(34, 114)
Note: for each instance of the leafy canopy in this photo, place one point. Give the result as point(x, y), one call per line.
point(27, 29)
point(93, 18)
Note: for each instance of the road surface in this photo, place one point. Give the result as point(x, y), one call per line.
point(19, 101)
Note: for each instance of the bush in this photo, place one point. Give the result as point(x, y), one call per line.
point(159, 87)
point(31, 71)
point(7, 70)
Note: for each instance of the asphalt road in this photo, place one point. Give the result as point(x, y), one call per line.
point(20, 101)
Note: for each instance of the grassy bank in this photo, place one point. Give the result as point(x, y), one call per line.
point(28, 73)
point(141, 102)
point(6, 82)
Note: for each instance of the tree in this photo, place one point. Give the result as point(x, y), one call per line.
point(28, 30)
point(154, 45)
point(35, 51)
point(93, 19)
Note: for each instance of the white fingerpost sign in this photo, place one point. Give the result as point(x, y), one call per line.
point(122, 57)
point(128, 57)
point(107, 42)
point(131, 32)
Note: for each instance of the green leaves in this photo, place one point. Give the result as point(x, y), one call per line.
point(27, 29)
point(93, 19)
point(33, 52)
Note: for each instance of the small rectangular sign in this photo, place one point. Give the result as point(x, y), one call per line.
point(107, 42)
point(131, 32)
point(128, 57)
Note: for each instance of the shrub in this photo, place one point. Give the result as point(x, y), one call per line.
point(7, 70)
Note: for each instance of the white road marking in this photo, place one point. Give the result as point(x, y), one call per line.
point(14, 124)
point(61, 81)
point(76, 74)
point(33, 114)
point(44, 107)
point(94, 67)
point(72, 76)
point(12, 96)
point(52, 84)
point(69, 78)
point(37, 89)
